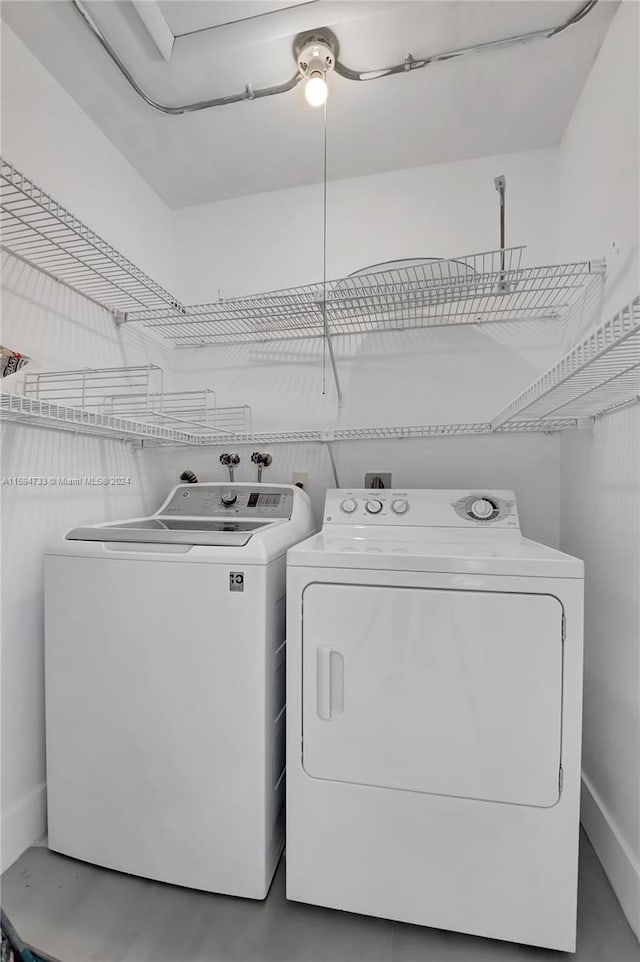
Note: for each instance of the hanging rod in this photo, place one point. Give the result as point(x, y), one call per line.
point(408, 64)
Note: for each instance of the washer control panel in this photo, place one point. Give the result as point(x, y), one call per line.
point(215, 500)
point(421, 508)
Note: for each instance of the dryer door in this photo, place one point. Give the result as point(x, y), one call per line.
point(441, 691)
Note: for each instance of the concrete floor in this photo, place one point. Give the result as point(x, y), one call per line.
point(80, 913)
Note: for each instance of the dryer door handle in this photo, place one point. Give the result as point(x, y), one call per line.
point(329, 682)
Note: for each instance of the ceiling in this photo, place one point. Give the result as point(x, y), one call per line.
point(499, 101)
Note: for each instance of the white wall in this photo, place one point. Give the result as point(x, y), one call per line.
point(48, 137)
point(600, 522)
point(600, 474)
point(53, 142)
point(274, 240)
point(598, 189)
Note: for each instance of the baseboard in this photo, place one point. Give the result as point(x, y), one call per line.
point(617, 859)
point(22, 825)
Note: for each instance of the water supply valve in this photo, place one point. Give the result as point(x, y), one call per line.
point(230, 461)
point(262, 460)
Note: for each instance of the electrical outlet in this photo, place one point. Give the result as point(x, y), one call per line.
point(301, 478)
point(377, 479)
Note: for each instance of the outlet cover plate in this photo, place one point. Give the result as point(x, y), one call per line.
point(377, 479)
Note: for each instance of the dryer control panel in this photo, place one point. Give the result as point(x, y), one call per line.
point(436, 508)
point(270, 502)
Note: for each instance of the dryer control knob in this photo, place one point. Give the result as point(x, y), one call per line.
point(229, 498)
point(348, 505)
point(374, 507)
point(400, 506)
point(482, 508)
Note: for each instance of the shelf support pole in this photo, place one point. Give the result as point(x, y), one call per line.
point(334, 368)
point(334, 467)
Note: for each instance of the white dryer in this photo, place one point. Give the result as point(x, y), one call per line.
point(165, 690)
point(434, 668)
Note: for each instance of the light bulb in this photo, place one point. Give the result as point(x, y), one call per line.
point(316, 90)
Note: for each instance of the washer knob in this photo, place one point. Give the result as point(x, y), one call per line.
point(374, 507)
point(482, 508)
point(229, 498)
point(400, 506)
point(348, 505)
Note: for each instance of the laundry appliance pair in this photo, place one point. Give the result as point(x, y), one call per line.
point(433, 704)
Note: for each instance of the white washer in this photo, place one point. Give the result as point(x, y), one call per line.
point(165, 691)
point(434, 667)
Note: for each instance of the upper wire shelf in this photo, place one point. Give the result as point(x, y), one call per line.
point(489, 287)
point(39, 231)
point(598, 375)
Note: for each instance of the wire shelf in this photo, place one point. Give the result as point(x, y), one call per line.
point(25, 410)
point(39, 231)
point(392, 432)
point(395, 433)
point(489, 287)
point(28, 410)
point(136, 393)
point(601, 373)
point(196, 410)
point(97, 387)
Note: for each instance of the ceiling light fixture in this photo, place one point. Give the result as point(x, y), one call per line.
point(316, 89)
point(316, 56)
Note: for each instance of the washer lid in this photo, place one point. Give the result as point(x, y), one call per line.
point(163, 530)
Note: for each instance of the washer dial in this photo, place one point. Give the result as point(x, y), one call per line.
point(229, 498)
point(400, 506)
point(374, 506)
point(348, 505)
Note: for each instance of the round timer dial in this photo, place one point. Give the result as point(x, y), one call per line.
point(482, 508)
point(374, 506)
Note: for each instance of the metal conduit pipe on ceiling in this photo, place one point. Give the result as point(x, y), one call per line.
point(408, 64)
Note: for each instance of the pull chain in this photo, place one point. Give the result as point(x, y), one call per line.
point(324, 251)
